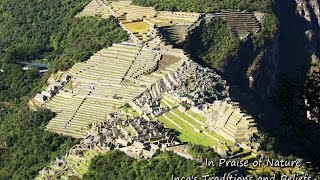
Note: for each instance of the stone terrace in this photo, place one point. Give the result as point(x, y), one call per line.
point(134, 73)
point(229, 121)
point(140, 66)
point(95, 8)
point(102, 65)
point(141, 22)
point(136, 137)
point(131, 12)
point(241, 23)
point(103, 84)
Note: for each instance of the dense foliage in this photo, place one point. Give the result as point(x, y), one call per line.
point(84, 37)
point(44, 31)
point(222, 50)
point(220, 45)
point(116, 165)
point(219, 48)
point(201, 153)
point(24, 145)
point(207, 6)
point(47, 31)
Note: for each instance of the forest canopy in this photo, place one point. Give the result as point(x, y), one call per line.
point(116, 165)
point(47, 32)
point(206, 6)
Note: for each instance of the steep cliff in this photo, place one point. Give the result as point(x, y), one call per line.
point(310, 12)
point(295, 50)
point(263, 81)
point(303, 27)
point(299, 49)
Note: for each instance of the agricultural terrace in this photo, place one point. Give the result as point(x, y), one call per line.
point(190, 126)
point(96, 89)
point(137, 27)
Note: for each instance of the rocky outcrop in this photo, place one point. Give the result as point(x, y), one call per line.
point(264, 80)
point(303, 9)
point(310, 11)
point(316, 8)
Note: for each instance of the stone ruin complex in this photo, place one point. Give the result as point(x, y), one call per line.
point(130, 95)
point(136, 137)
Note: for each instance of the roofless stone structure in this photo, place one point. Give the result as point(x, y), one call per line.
point(103, 84)
point(129, 95)
point(142, 23)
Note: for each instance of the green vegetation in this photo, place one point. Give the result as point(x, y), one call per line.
point(41, 31)
point(187, 118)
point(25, 148)
point(222, 50)
point(86, 36)
point(116, 165)
point(207, 6)
point(186, 133)
point(197, 124)
point(197, 116)
point(202, 152)
point(82, 164)
point(47, 31)
point(220, 45)
point(166, 103)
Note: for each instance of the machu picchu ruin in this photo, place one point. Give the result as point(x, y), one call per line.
point(135, 95)
point(160, 89)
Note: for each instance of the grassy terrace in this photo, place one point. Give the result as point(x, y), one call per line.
point(187, 134)
point(182, 115)
point(130, 112)
point(196, 116)
point(168, 102)
point(158, 22)
point(188, 124)
point(140, 26)
point(185, 128)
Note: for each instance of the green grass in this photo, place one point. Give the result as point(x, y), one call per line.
point(69, 85)
point(85, 162)
point(197, 125)
point(135, 114)
point(130, 112)
point(165, 102)
point(197, 116)
point(140, 26)
point(187, 118)
point(187, 133)
point(167, 123)
point(129, 129)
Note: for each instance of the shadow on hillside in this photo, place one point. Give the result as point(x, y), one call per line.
point(283, 116)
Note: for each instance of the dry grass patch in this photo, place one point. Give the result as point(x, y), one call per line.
point(167, 60)
point(140, 26)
